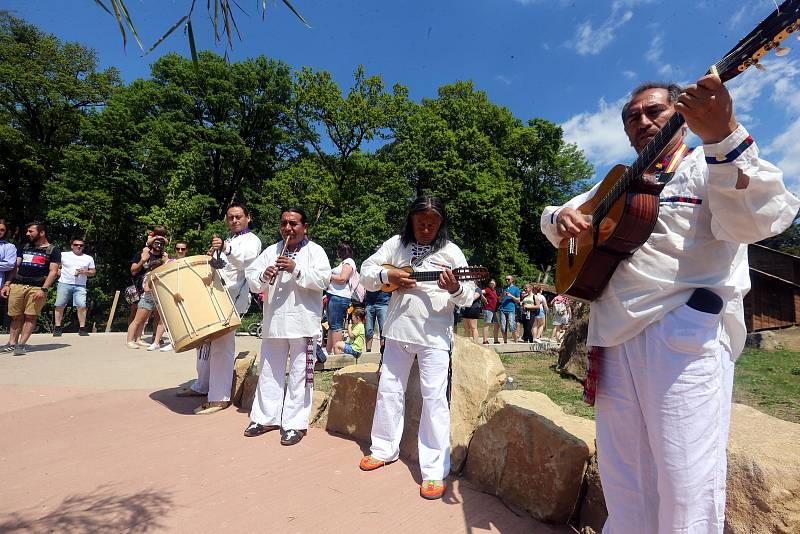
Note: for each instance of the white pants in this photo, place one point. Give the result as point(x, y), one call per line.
point(220, 362)
point(434, 424)
point(271, 406)
point(203, 366)
point(663, 412)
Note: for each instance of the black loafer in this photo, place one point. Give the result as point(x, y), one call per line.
point(254, 429)
point(291, 437)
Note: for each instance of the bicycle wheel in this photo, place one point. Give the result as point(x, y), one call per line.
point(255, 329)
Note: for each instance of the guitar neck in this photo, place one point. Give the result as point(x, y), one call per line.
point(427, 276)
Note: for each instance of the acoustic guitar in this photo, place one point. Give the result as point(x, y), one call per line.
point(461, 273)
point(625, 208)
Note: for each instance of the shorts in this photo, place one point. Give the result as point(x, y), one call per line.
point(147, 302)
point(20, 300)
point(470, 313)
point(488, 317)
point(508, 320)
point(337, 310)
point(348, 349)
point(78, 294)
point(560, 320)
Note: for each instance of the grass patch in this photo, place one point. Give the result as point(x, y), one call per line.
point(769, 382)
point(535, 371)
point(323, 380)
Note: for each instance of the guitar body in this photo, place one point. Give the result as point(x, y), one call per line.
point(388, 287)
point(583, 270)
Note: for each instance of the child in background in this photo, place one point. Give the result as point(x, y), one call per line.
point(355, 331)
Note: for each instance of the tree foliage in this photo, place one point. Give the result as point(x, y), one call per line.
point(105, 162)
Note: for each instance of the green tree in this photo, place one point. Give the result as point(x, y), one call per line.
point(46, 87)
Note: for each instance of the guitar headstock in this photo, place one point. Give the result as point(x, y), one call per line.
point(473, 272)
point(767, 36)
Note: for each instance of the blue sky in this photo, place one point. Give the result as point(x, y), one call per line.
point(569, 61)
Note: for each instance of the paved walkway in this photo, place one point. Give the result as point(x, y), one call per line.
point(94, 440)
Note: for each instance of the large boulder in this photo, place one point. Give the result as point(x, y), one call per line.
point(531, 454)
point(573, 359)
point(593, 512)
point(764, 340)
point(478, 374)
point(763, 474)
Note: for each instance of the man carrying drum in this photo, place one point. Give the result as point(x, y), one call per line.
point(293, 273)
point(216, 359)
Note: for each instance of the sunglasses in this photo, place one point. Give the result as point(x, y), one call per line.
point(180, 249)
point(78, 245)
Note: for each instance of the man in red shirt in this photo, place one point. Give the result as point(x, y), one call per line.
point(489, 298)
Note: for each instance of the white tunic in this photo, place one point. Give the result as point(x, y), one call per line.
point(293, 305)
point(242, 250)
point(423, 315)
point(696, 243)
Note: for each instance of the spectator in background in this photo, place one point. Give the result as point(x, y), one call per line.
point(76, 267)
point(489, 300)
point(540, 318)
point(158, 231)
point(562, 312)
point(529, 311)
point(340, 294)
point(27, 286)
point(470, 315)
point(8, 253)
point(145, 261)
point(355, 330)
point(377, 302)
point(508, 309)
point(181, 249)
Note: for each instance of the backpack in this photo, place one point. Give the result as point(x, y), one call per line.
point(359, 292)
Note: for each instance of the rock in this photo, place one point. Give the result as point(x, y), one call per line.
point(573, 359)
point(764, 340)
point(593, 512)
point(249, 391)
point(531, 454)
point(352, 401)
point(319, 409)
point(478, 374)
point(242, 366)
point(763, 494)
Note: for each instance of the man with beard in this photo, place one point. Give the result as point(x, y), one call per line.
point(27, 286)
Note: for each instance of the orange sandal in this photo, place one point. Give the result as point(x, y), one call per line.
point(370, 463)
point(432, 489)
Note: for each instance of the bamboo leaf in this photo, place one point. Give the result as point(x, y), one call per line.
point(119, 21)
point(130, 23)
point(192, 47)
point(263, 9)
point(290, 6)
point(101, 4)
point(172, 29)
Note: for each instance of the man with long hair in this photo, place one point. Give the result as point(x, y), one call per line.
point(419, 324)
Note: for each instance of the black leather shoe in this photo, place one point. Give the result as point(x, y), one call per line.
point(291, 437)
point(254, 429)
point(57, 331)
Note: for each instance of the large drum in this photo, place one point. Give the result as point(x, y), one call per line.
point(193, 302)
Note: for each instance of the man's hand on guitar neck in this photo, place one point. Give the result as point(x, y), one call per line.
point(401, 279)
point(708, 109)
point(448, 281)
point(571, 222)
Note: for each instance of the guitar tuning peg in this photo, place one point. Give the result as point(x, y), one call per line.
point(782, 51)
point(760, 67)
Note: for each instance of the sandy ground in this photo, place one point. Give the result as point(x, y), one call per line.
point(94, 440)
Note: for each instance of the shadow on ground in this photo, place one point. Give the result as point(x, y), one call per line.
point(179, 405)
point(47, 346)
point(103, 511)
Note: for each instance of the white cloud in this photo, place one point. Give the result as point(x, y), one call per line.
point(600, 134)
point(590, 40)
point(503, 79)
point(653, 55)
point(788, 144)
point(629, 74)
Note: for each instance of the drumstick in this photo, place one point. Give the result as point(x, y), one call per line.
point(275, 276)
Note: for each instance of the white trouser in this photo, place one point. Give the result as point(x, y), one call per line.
point(663, 411)
point(270, 405)
point(221, 358)
point(434, 422)
point(203, 366)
